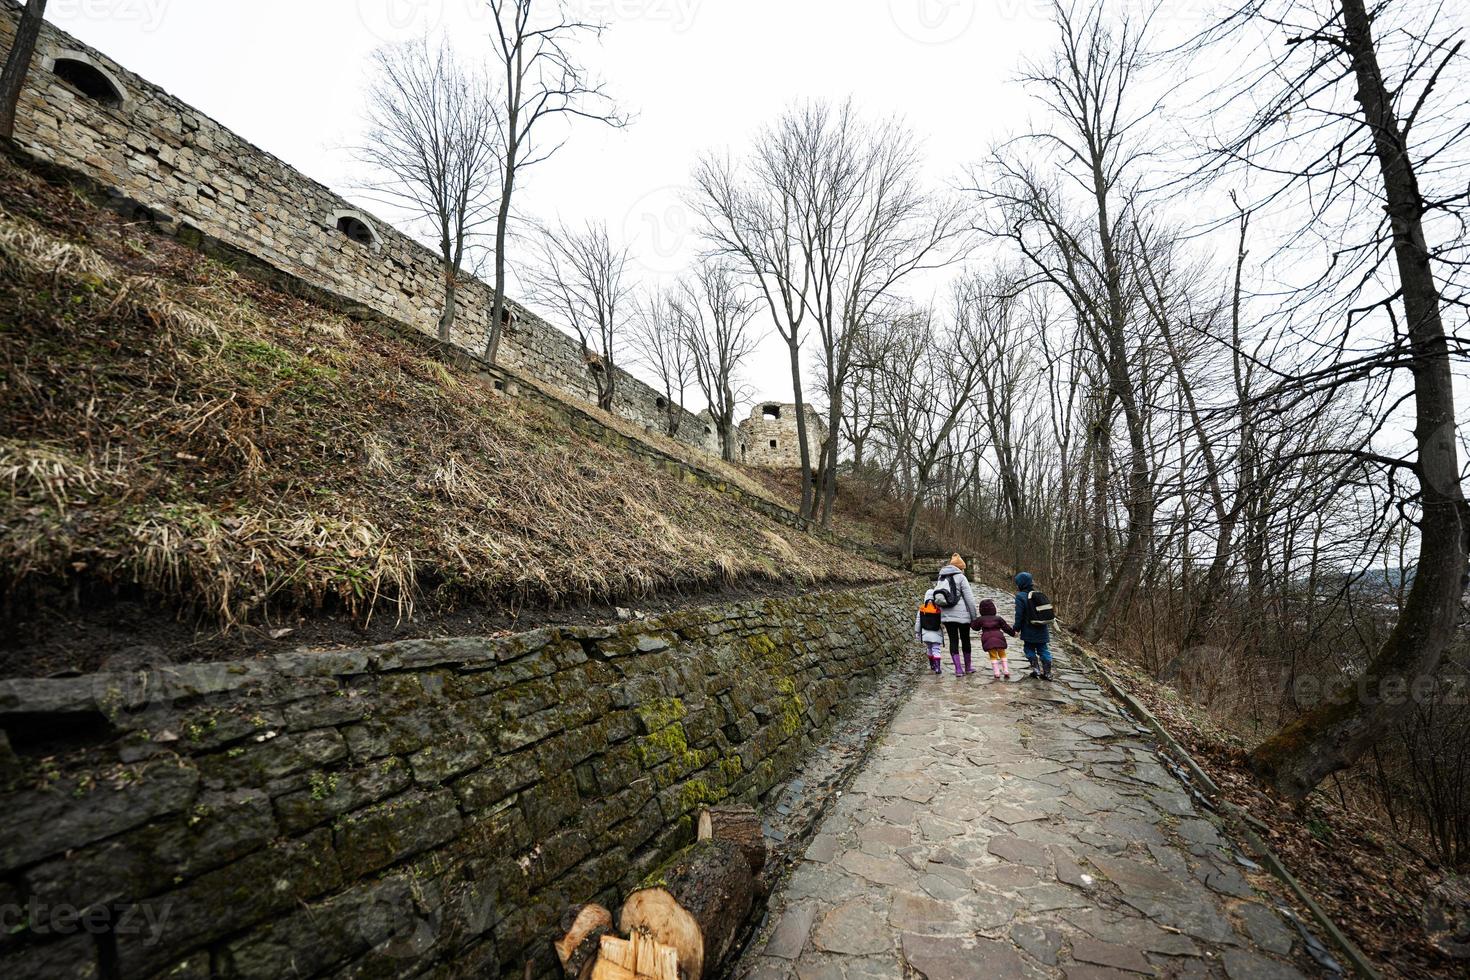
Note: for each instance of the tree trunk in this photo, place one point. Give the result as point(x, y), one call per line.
point(698, 906)
point(741, 826)
point(582, 929)
point(1335, 734)
point(829, 484)
point(1098, 524)
point(446, 318)
point(18, 64)
point(802, 439)
point(502, 218)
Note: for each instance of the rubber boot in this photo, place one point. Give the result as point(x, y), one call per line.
point(959, 671)
point(995, 668)
point(968, 668)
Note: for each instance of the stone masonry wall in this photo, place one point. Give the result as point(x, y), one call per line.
point(423, 807)
point(189, 171)
point(758, 431)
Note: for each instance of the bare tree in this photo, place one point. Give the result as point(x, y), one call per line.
point(929, 377)
point(18, 63)
point(866, 224)
point(713, 311)
point(1087, 85)
point(991, 310)
point(541, 79)
point(580, 276)
point(655, 337)
point(829, 216)
point(1338, 111)
point(755, 218)
point(432, 143)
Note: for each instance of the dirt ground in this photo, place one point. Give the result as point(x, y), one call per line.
point(60, 635)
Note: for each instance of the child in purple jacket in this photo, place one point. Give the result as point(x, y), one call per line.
point(993, 632)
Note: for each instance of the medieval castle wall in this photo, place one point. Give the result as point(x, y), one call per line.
point(84, 111)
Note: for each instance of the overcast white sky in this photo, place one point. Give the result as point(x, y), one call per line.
point(699, 74)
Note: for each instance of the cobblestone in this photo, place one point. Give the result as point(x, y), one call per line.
point(1019, 830)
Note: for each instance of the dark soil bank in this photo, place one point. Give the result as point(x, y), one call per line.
point(58, 635)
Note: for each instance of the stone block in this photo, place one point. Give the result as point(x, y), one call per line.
point(223, 901)
point(330, 794)
point(517, 733)
point(218, 828)
point(70, 958)
point(496, 780)
point(76, 812)
point(451, 755)
point(399, 827)
point(548, 803)
point(385, 922)
point(271, 758)
point(340, 707)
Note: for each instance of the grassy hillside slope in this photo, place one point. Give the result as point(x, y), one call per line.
point(177, 431)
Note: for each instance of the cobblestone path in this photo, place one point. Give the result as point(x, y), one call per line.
point(1020, 829)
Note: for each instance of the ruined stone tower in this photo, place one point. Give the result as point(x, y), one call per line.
point(768, 436)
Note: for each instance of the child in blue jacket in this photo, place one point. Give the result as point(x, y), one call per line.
point(1035, 637)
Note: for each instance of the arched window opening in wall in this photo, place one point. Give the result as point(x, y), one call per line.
point(356, 227)
point(771, 411)
point(707, 430)
point(660, 404)
point(88, 78)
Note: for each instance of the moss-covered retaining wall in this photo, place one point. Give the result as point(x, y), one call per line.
point(424, 807)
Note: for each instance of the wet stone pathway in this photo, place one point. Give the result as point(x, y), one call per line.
point(1019, 830)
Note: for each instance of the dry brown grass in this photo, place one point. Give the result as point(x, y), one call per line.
point(175, 428)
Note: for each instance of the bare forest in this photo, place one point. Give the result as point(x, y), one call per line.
point(1192, 364)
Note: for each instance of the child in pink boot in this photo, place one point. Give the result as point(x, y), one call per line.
point(993, 632)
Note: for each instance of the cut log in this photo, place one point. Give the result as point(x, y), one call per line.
point(740, 825)
point(582, 928)
point(639, 957)
point(696, 903)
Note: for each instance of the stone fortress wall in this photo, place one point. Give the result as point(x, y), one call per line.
point(177, 167)
point(420, 808)
point(768, 436)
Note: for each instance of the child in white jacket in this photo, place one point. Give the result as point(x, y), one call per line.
point(929, 630)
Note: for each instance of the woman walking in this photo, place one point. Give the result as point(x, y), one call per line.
point(956, 602)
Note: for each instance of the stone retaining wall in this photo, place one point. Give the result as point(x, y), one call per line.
point(188, 171)
point(424, 807)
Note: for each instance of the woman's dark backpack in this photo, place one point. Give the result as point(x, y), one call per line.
point(947, 595)
point(1038, 609)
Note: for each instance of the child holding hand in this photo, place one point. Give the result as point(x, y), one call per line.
point(993, 632)
point(929, 630)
